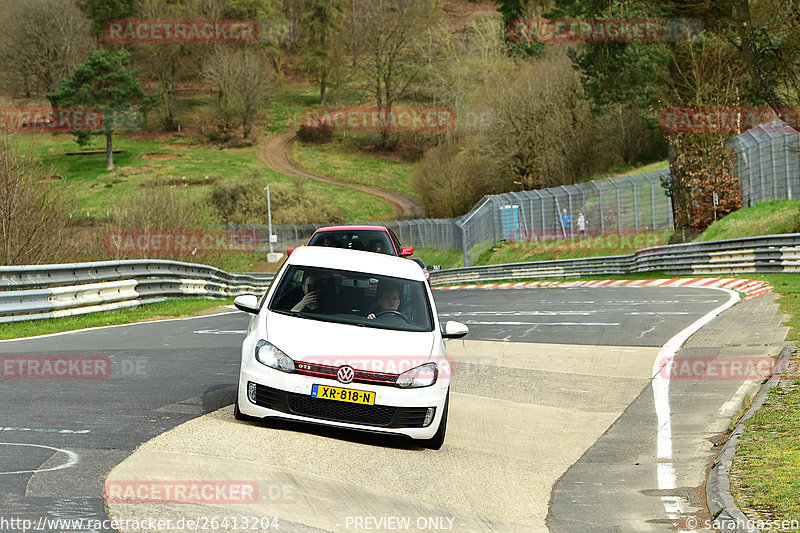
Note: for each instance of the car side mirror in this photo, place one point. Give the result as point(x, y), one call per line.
point(406, 251)
point(454, 330)
point(247, 303)
point(289, 252)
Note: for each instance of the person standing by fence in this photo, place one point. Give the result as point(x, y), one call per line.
point(565, 220)
point(581, 225)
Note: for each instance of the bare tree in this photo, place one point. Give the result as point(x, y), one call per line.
point(392, 35)
point(42, 41)
point(33, 214)
point(243, 80)
point(542, 133)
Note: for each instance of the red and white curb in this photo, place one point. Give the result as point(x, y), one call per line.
point(751, 288)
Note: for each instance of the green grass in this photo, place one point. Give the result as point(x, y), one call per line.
point(766, 469)
point(517, 252)
point(629, 170)
point(769, 218)
point(167, 309)
point(195, 168)
point(443, 258)
point(288, 106)
point(338, 159)
point(788, 287)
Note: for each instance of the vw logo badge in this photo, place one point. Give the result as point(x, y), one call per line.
point(345, 374)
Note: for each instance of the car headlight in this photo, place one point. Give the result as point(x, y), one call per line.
point(420, 376)
point(269, 355)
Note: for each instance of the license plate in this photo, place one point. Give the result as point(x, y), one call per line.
point(342, 395)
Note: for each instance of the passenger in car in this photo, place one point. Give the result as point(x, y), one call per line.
point(375, 245)
point(330, 240)
point(388, 299)
point(314, 295)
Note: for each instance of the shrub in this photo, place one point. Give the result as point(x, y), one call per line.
point(33, 212)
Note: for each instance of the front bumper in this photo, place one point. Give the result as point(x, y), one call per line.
point(288, 396)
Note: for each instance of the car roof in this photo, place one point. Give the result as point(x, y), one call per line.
point(352, 228)
point(356, 260)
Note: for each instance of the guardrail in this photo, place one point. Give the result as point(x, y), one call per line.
point(766, 254)
point(50, 291)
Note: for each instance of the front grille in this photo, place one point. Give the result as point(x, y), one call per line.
point(368, 415)
point(329, 372)
point(351, 413)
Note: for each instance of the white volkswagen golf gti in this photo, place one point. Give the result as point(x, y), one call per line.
point(349, 339)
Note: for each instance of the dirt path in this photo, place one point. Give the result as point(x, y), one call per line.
point(275, 153)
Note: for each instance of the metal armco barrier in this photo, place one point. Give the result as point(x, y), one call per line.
point(50, 291)
point(766, 254)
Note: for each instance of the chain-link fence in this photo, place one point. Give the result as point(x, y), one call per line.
point(614, 205)
point(624, 204)
point(768, 163)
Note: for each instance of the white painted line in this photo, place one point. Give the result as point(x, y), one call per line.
point(666, 471)
point(479, 323)
point(72, 458)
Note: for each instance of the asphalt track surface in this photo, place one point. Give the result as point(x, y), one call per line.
point(59, 438)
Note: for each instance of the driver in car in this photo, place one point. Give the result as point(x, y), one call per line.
point(388, 300)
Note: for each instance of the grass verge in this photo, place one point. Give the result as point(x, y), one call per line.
point(769, 218)
point(604, 245)
point(167, 309)
point(766, 468)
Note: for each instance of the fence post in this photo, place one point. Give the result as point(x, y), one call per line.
point(635, 202)
point(602, 215)
point(463, 229)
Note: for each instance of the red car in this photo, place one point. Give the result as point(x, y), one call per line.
point(378, 239)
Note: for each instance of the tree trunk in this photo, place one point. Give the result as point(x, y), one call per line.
point(353, 24)
point(109, 150)
point(677, 187)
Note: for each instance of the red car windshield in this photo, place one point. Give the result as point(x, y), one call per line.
point(367, 240)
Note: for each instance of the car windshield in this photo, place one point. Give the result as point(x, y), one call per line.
point(356, 298)
point(368, 240)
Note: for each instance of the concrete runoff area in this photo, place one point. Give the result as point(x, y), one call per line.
point(495, 473)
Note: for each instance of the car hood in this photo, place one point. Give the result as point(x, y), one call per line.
point(336, 344)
